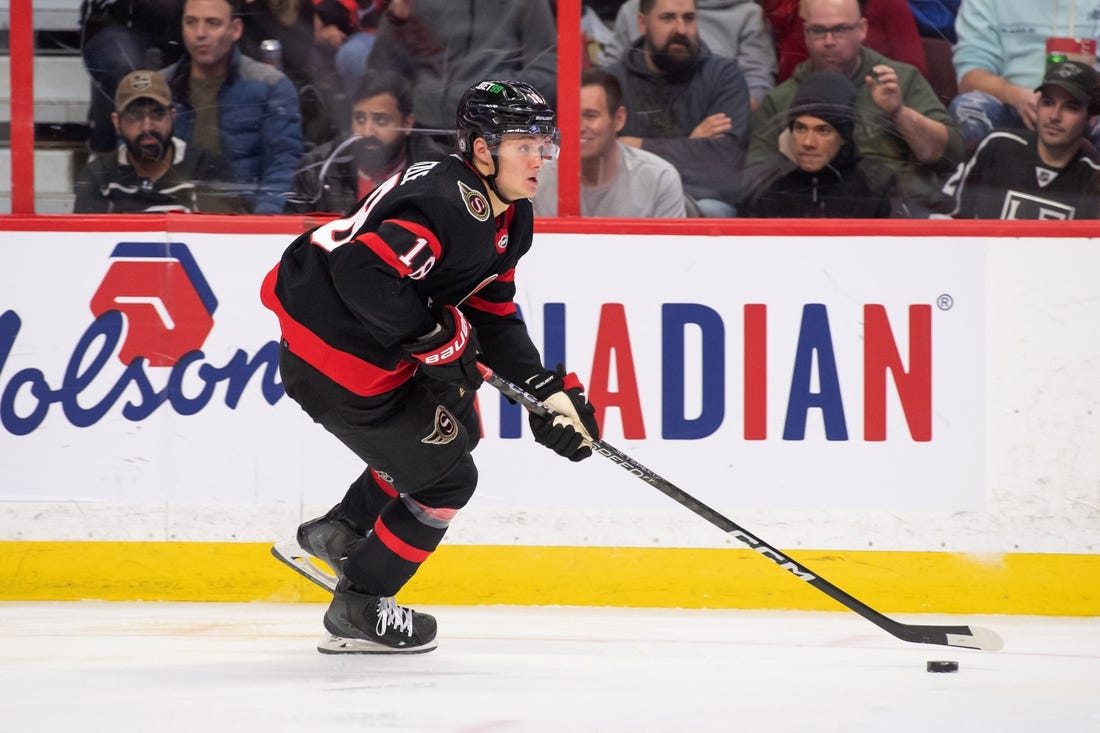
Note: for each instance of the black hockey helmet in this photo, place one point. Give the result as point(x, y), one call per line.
point(491, 109)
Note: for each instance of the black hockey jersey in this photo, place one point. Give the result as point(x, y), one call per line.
point(349, 293)
point(1006, 179)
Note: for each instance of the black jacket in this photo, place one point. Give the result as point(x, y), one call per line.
point(848, 189)
point(338, 192)
point(197, 181)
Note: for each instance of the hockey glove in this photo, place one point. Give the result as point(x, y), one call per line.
point(573, 429)
point(449, 353)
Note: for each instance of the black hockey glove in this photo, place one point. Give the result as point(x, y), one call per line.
point(574, 428)
point(449, 353)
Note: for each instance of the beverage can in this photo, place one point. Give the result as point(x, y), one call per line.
point(271, 52)
point(1063, 49)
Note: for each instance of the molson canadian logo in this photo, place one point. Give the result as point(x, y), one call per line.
point(153, 309)
point(814, 385)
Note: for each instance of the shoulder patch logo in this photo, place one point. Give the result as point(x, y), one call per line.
point(476, 203)
point(446, 428)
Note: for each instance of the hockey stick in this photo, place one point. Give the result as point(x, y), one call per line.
point(970, 637)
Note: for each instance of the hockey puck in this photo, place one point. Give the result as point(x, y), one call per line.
point(942, 666)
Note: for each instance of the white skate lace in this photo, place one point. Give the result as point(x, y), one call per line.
point(391, 615)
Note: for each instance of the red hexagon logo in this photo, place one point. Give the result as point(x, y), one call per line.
point(168, 304)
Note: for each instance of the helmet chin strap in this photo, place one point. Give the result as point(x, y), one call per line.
point(491, 179)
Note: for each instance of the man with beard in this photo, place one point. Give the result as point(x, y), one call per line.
point(735, 29)
point(686, 105)
point(152, 171)
point(1045, 173)
point(334, 176)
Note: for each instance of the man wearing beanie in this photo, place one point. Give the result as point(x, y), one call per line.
point(1045, 173)
point(825, 177)
point(901, 122)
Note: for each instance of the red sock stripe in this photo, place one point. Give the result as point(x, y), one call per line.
point(397, 545)
point(385, 486)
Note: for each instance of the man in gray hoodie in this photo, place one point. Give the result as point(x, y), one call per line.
point(686, 104)
point(735, 29)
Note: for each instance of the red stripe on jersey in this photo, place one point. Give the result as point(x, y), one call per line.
point(380, 247)
point(384, 486)
point(398, 546)
point(347, 370)
point(420, 231)
point(488, 306)
point(508, 277)
point(404, 264)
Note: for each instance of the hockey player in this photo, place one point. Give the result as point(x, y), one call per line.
point(384, 314)
point(1045, 173)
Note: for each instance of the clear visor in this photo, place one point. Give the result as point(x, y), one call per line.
point(546, 146)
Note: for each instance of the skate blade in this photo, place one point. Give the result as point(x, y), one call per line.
point(297, 559)
point(332, 644)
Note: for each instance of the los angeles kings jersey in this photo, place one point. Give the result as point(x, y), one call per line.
point(349, 293)
point(1006, 179)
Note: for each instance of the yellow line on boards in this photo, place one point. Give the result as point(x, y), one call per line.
point(890, 582)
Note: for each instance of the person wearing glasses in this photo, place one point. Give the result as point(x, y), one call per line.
point(900, 124)
point(152, 170)
point(891, 30)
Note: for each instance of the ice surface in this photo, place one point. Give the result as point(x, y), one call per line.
point(253, 667)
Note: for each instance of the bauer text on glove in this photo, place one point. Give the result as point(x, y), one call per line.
point(449, 352)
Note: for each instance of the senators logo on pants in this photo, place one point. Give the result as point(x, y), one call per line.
point(446, 428)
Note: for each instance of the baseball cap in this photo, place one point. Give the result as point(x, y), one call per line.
point(1079, 79)
point(142, 84)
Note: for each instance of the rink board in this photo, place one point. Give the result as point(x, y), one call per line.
point(923, 397)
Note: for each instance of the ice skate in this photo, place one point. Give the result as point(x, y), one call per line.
point(363, 624)
point(326, 538)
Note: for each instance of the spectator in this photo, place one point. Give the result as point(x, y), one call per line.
point(443, 47)
point(604, 9)
point(116, 38)
point(826, 179)
point(732, 28)
point(686, 105)
point(348, 28)
point(616, 180)
point(935, 18)
point(152, 171)
point(231, 104)
point(902, 124)
point(307, 63)
point(1045, 173)
point(891, 31)
point(999, 60)
point(337, 174)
